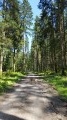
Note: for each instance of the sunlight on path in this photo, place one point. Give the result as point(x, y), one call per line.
point(32, 101)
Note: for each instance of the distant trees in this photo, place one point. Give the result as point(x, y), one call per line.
point(51, 36)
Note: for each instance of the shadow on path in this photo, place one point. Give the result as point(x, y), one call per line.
point(35, 99)
point(4, 116)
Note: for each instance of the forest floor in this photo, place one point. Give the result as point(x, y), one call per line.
point(32, 100)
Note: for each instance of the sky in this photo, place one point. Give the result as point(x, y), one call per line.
point(34, 5)
point(36, 12)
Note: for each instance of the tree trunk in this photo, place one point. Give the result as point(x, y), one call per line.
point(55, 63)
point(1, 62)
point(37, 60)
point(62, 37)
point(14, 61)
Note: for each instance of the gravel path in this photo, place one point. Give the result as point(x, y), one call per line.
point(32, 100)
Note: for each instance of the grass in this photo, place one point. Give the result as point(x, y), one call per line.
point(7, 80)
point(59, 83)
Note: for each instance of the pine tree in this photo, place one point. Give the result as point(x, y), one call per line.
point(26, 22)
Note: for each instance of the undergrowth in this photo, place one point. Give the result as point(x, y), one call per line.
point(58, 82)
point(8, 79)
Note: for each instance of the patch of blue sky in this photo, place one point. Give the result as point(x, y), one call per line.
point(36, 12)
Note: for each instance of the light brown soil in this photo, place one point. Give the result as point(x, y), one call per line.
point(32, 100)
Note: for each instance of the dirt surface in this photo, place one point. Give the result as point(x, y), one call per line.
point(31, 99)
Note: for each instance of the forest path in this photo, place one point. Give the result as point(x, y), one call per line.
point(32, 100)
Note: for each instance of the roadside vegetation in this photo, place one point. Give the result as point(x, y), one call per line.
point(15, 27)
point(58, 82)
point(49, 45)
point(8, 79)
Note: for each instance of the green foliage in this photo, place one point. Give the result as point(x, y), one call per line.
point(14, 74)
point(15, 22)
point(26, 16)
point(49, 44)
point(8, 79)
point(58, 82)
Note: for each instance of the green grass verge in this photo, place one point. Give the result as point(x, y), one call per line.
point(7, 80)
point(59, 82)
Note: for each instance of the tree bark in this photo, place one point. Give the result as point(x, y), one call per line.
point(1, 62)
point(62, 37)
point(14, 61)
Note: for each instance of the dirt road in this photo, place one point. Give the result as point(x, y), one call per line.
point(32, 100)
